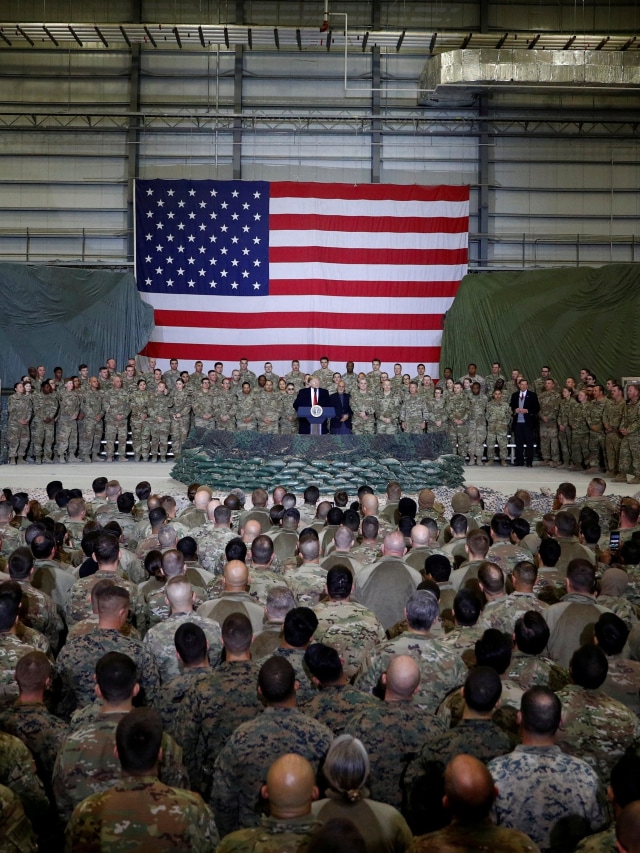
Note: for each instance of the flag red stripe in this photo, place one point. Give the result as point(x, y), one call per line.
point(313, 352)
point(304, 319)
point(374, 224)
point(372, 289)
point(368, 257)
point(373, 192)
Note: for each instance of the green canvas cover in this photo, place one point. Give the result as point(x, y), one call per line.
point(60, 315)
point(564, 318)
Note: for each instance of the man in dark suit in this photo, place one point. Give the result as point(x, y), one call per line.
point(525, 408)
point(307, 397)
point(341, 423)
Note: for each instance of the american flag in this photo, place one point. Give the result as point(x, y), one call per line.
point(277, 271)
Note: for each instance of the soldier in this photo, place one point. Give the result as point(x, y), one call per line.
point(224, 407)
point(623, 676)
point(288, 415)
point(117, 408)
point(324, 373)
point(458, 409)
point(242, 764)
point(568, 802)
point(529, 666)
point(412, 412)
point(435, 412)
point(246, 411)
point(169, 377)
point(40, 611)
point(295, 376)
point(91, 420)
point(495, 376)
point(595, 412)
point(499, 418)
point(350, 378)
point(18, 773)
point(247, 375)
point(77, 660)
point(159, 422)
point(349, 627)
point(139, 811)
point(43, 425)
point(67, 424)
point(17, 832)
point(139, 400)
point(268, 410)
point(217, 704)
point(20, 408)
point(213, 536)
point(477, 424)
point(363, 405)
point(160, 639)
point(387, 410)
point(203, 403)
point(12, 648)
point(441, 669)
point(629, 457)
point(612, 414)
point(393, 730)
point(549, 400)
point(579, 433)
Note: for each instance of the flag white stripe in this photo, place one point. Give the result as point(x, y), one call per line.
point(368, 207)
point(367, 240)
point(365, 272)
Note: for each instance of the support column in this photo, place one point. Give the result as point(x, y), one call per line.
point(483, 181)
point(376, 124)
point(133, 134)
point(237, 110)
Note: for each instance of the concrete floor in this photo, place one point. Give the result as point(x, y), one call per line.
point(505, 480)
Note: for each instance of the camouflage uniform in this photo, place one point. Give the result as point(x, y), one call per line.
point(43, 426)
point(67, 425)
point(564, 431)
point(160, 641)
point(596, 728)
point(629, 456)
point(608, 515)
point(436, 415)
point(423, 781)
point(564, 787)
point(465, 837)
point(18, 772)
point(155, 596)
point(296, 379)
point(504, 612)
point(462, 640)
point(307, 582)
point(173, 692)
point(611, 421)
point(351, 629)
point(225, 405)
point(91, 424)
point(623, 681)
point(12, 538)
point(41, 613)
point(247, 412)
point(242, 765)
point(78, 603)
point(140, 423)
point(457, 408)
point(388, 406)
point(350, 382)
point(210, 711)
point(16, 835)
point(325, 375)
point(507, 555)
point(363, 401)
point(549, 409)
point(393, 734)
point(288, 415)
point(334, 705)
point(141, 813)
point(77, 661)
point(272, 836)
point(86, 764)
point(180, 420)
point(413, 414)
point(306, 689)
point(595, 412)
point(212, 542)
point(579, 434)
point(170, 377)
point(159, 425)
point(202, 405)
point(20, 408)
point(441, 669)
point(268, 412)
point(477, 425)
point(531, 670)
point(11, 650)
point(117, 408)
point(39, 730)
point(602, 842)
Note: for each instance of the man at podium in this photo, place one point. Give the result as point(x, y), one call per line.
point(307, 398)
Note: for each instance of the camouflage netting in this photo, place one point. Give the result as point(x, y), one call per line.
point(250, 460)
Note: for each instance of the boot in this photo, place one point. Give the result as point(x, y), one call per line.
point(634, 480)
point(153, 458)
point(62, 460)
point(38, 460)
point(620, 478)
point(12, 460)
point(503, 462)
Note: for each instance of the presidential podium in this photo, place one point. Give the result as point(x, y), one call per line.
point(316, 416)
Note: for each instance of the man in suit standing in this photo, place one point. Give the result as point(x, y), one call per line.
point(525, 408)
point(341, 423)
point(314, 395)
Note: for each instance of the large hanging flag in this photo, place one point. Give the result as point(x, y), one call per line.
point(277, 271)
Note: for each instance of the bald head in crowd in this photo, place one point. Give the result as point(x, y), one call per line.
point(369, 505)
point(251, 530)
point(236, 576)
point(179, 594)
point(202, 498)
point(291, 787)
point(172, 563)
point(468, 789)
point(393, 544)
point(420, 536)
point(402, 678)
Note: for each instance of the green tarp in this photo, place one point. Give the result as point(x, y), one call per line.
point(65, 316)
point(565, 318)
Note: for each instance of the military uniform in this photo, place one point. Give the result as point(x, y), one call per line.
point(335, 704)
point(549, 409)
point(629, 456)
point(224, 410)
point(268, 407)
point(141, 813)
point(325, 375)
point(272, 836)
point(441, 669)
point(595, 412)
point(579, 435)
point(76, 667)
point(564, 427)
point(39, 730)
point(611, 420)
point(155, 596)
point(91, 424)
point(246, 413)
point(17, 833)
point(477, 427)
point(472, 837)
point(351, 629)
point(504, 612)
point(242, 765)
point(117, 408)
point(180, 420)
point(160, 641)
point(78, 604)
point(413, 414)
point(20, 407)
point(12, 648)
point(388, 406)
point(539, 787)
point(67, 425)
point(507, 555)
point(159, 420)
point(393, 734)
point(307, 582)
point(210, 711)
point(140, 423)
point(43, 426)
point(532, 670)
point(436, 415)
point(350, 382)
point(170, 377)
point(288, 415)
point(18, 772)
point(458, 409)
point(86, 764)
point(462, 640)
point(41, 613)
point(212, 542)
point(203, 404)
point(363, 406)
point(596, 727)
point(296, 379)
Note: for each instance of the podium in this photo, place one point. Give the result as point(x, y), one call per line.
point(316, 420)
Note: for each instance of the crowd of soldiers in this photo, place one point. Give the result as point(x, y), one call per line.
point(302, 674)
point(582, 424)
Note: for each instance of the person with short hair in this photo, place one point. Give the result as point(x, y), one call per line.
point(139, 811)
